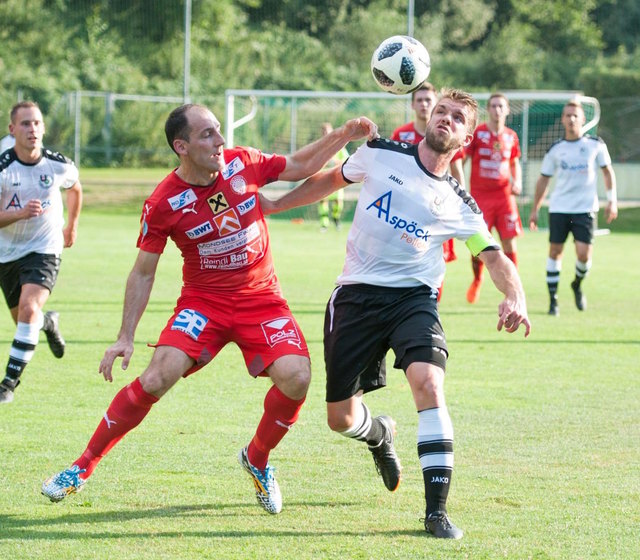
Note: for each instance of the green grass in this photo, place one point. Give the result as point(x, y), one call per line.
point(547, 429)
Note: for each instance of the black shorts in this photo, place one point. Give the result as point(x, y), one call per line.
point(34, 268)
point(580, 225)
point(362, 322)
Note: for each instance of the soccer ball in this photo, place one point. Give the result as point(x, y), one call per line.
point(400, 64)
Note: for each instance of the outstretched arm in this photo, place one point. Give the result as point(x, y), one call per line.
point(315, 188)
point(136, 297)
point(512, 311)
point(313, 157)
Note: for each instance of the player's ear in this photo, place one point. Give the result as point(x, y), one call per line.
point(180, 146)
point(467, 139)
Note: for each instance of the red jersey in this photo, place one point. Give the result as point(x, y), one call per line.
point(408, 133)
point(220, 228)
point(491, 156)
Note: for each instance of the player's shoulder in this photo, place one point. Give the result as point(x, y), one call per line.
point(464, 196)
point(56, 156)
point(593, 138)
point(554, 145)
point(392, 146)
point(7, 158)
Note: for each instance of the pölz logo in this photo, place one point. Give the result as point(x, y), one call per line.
point(199, 230)
point(396, 179)
point(440, 480)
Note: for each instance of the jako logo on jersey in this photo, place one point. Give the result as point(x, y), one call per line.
point(396, 179)
point(280, 330)
point(190, 322)
point(199, 230)
point(383, 206)
point(46, 181)
point(14, 202)
point(182, 199)
point(233, 167)
point(247, 205)
point(227, 222)
point(239, 185)
point(218, 203)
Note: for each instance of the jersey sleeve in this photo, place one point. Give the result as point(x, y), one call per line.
point(70, 177)
point(473, 230)
point(603, 158)
point(395, 135)
point(267, 167)
point(515, 150)
point(548, 167)
point(153, 233)
point(354, 169)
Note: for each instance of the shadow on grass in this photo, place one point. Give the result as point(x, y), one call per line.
point(18, 527)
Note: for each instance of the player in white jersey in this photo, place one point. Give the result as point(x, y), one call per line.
point(573, 204)
point(32, 236)
point(386, 294)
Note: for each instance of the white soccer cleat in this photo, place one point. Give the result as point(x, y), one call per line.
point(60, 485)
point(267, 489)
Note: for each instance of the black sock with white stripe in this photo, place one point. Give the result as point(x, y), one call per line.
point(21, 352)
point(435, 450)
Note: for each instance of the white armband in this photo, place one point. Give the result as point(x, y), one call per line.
point(612, 196)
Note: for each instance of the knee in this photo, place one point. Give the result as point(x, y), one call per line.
point(296, 384)
point(154, 383)
point(338, 422)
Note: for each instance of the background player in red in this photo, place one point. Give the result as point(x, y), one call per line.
point(423, 100)
point(496, 177)
point(209, 206)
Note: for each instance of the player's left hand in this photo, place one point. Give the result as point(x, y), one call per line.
point(611, 212)
point(268, 206)
point(69, 234)
point(511, 315)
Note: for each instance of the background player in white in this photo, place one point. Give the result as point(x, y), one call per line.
point(209, 207)
point(7, 142)
point(386, 295)
point(573, 205)
point(32, 236)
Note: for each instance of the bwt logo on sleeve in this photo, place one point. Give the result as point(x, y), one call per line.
point(279, 330)
point(190, 322)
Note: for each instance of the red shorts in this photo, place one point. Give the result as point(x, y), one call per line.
point(501, 213)
point(262, 326)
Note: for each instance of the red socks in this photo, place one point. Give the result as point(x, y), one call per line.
point(280, 413)
point(477, 266)
point(126, 411)
point(513, 258)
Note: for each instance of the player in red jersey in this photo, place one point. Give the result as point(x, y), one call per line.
point(423, 100)
point(209, 206)
point(496, 179)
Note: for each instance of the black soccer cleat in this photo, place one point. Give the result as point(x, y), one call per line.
point(439, 525)
point(384, 456)
point(52, 330)
point(553, 307)
point(581, 299)
point(7, 387)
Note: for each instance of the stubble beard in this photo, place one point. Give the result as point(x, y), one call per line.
point(441, 144)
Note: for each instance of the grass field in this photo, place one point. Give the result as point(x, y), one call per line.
point(547, 429)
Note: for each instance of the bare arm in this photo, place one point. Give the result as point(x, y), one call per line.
point(512, 311)
point(516, 176)
point(611, 210)
point(136, 297)
point(315, 188)
point(541, 190)
point(313, 157)
point(31, 209)
point(74, 204)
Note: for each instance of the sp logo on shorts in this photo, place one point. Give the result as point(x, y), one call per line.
point(190, 322)
point(279, 330)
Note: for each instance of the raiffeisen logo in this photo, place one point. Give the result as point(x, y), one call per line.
point(382, 206)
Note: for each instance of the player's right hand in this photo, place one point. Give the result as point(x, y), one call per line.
point(119, 349)
point(533, 220)
point(32, 209)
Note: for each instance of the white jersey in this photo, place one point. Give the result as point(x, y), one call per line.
point(575, 164)
point(403, 215)
point(21, 182)
point(7, 142)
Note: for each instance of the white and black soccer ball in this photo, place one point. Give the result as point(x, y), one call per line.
point(400, 64)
